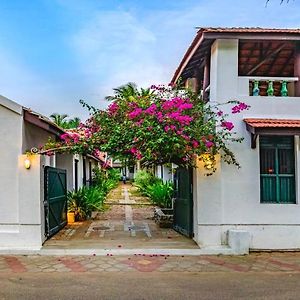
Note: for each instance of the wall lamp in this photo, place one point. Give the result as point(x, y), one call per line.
point(27, 163)
point(208, 160)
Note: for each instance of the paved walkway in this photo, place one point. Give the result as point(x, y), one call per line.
point(256, 262)
point(127, 223)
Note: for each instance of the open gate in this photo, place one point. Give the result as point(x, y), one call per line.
point(183, 204)
point(55, 200)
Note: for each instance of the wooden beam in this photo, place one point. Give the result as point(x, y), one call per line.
point(269, 56)
point(206, 78)
point(272, 61)
point(253, 140)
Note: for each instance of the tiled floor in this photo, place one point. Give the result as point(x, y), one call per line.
point(127, 223)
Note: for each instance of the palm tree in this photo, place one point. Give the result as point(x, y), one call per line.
point(128, 90)
point(59, 119)
point(72, 123)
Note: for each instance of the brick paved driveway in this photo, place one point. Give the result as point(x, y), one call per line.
point(255, 262)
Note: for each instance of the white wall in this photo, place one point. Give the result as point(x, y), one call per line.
point(10, 148)
point(27, 229)
point(21, 190)
point(66, 162)
point(165, 173)
point(231, 197)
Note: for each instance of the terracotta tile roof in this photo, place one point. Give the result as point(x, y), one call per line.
point(203, 32)
point(282, 123)
point(248, 30)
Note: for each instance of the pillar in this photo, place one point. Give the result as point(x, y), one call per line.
point(297, 69)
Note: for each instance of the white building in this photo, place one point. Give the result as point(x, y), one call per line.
point(23, 199)
point(263, 197)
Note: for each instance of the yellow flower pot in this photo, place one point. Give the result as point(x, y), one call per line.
point(71, 217)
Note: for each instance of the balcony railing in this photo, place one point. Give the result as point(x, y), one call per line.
point(270, 86)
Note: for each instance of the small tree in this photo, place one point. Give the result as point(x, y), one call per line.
point(163, 124)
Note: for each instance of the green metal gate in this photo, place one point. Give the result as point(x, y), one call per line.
point(55, 200)
point(183, 205)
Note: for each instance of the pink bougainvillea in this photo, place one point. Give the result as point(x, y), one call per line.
point(160, 125)
point(228, 125)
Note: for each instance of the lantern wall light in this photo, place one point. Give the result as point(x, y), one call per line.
point(208, 160)
point(27, 163)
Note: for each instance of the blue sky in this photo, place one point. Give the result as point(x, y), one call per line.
point(55, 52)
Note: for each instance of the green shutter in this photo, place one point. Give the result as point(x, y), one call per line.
point(277, 169)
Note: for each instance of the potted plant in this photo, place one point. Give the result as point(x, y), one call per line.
point(78, 208)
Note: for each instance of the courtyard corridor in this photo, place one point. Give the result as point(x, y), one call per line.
point(127, 223)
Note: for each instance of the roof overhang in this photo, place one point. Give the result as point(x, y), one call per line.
point(271, 127)
point(206, 36)
point(42, 122)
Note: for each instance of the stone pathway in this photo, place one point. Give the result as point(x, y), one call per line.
point(127, 223)
point(288, 262)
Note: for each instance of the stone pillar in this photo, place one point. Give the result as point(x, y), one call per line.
point(297, 69)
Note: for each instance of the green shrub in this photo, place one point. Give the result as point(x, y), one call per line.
point(78, 203)
point(143, 180)
point(161, 193)
point(105, 180)
point(88, 199)
point(95, 197)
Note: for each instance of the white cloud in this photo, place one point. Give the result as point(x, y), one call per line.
point(21, 84)
point(115, 47)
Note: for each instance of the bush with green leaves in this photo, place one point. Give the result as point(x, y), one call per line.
point(78, 203)
point(143, 180)
point(159, 192)
point(88, 199)
point(105, 180)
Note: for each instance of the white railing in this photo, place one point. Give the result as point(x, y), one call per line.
point(267, 86)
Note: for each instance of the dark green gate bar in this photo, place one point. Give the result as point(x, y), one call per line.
point(55, 200)
point(183, 206)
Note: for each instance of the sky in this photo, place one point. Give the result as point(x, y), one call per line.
point(55, 52)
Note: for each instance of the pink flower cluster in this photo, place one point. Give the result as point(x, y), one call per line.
point(136, 153)
point(239, 107)
point(113, 109)
point(135, 113)
point(195, 144)
point(170, 127)
point(182, 119)
point(177, 103)
point(70, 137)
point(228, 125)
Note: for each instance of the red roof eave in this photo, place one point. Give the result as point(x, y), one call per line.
point(272, 123)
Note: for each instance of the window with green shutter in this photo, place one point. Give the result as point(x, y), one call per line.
point(277, 169)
